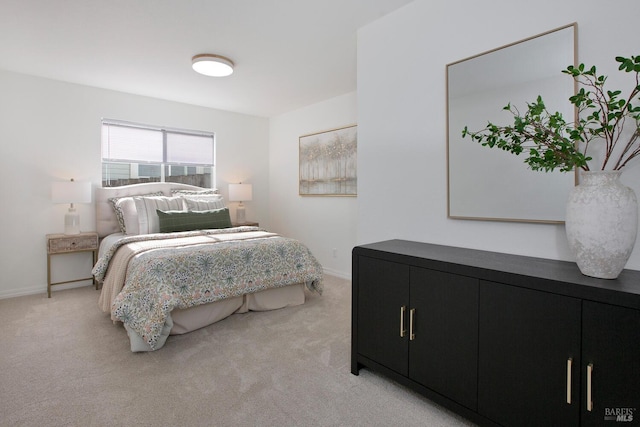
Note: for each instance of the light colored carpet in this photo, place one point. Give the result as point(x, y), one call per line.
point(64, 363)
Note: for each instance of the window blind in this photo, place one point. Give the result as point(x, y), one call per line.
point(189, 149)
point(129, 142)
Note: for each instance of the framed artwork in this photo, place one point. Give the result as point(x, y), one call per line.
point(328, 163)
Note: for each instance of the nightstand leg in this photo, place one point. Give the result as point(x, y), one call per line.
point(48, 276)
point(95, 259)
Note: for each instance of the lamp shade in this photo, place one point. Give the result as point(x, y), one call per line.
point(240, 192)
point(71, 192)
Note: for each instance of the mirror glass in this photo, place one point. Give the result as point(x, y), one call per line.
point(488, 183)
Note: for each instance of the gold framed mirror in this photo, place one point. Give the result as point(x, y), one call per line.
point(490, 184)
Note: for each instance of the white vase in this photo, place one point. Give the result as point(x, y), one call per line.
point(601, 223)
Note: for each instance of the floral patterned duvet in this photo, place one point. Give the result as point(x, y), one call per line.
point(161, 279)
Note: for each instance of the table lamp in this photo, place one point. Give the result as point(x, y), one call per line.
point(71, 192)
point(240, 193)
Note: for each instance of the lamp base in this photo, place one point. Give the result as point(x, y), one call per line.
point(241, 217)
point(72, 222)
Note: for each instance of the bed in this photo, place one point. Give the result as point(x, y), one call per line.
point(170, 262)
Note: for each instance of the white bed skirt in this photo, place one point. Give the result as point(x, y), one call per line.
point(182, 321)
point(187, 320)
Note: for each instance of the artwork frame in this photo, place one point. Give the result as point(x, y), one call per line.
point(328, 162)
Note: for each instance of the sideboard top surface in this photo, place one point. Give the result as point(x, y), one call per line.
point(561, 277)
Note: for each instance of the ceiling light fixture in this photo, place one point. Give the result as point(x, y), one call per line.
point(212, 65)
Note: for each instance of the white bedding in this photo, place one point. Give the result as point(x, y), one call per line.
point(107, 242)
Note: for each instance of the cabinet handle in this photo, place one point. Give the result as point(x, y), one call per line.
point(569, 363)
point(403, 330)
point(589, 397)
point(412, 336)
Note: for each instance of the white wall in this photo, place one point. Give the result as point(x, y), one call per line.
point(322, 223)
point(402, 113)
point(50, 131)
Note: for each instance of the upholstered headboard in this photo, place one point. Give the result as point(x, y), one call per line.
point(106, 221)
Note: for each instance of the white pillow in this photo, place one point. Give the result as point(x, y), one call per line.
point(117, 203)
point(129, 213)
point(204, 203)
point(148, 221)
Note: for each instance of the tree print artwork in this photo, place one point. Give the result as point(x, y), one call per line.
point(328, 163)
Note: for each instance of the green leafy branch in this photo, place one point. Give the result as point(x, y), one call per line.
point(553, 143)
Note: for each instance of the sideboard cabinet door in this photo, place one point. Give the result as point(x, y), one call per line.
point(444, 352)
point(526, 338)
point(611, 345)
point(383, 290)
point(422, 324)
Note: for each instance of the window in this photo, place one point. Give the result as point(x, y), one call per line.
point(133, 153)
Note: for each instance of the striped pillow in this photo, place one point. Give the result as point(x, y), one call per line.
point(204, 203)
point(178, 192)
point(125, 210)
point(147, 206)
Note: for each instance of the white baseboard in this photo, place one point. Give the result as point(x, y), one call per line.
point(341, 275)
point(13, 293)
point(33, 290)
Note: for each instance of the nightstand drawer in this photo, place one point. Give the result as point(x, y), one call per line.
point(64, 243)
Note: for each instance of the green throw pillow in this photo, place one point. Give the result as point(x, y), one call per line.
point(195, 220)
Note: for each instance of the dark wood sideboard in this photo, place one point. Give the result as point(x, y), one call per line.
point(500, 339)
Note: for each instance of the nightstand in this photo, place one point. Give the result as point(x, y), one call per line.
point(248, 224)
point(70, 243)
